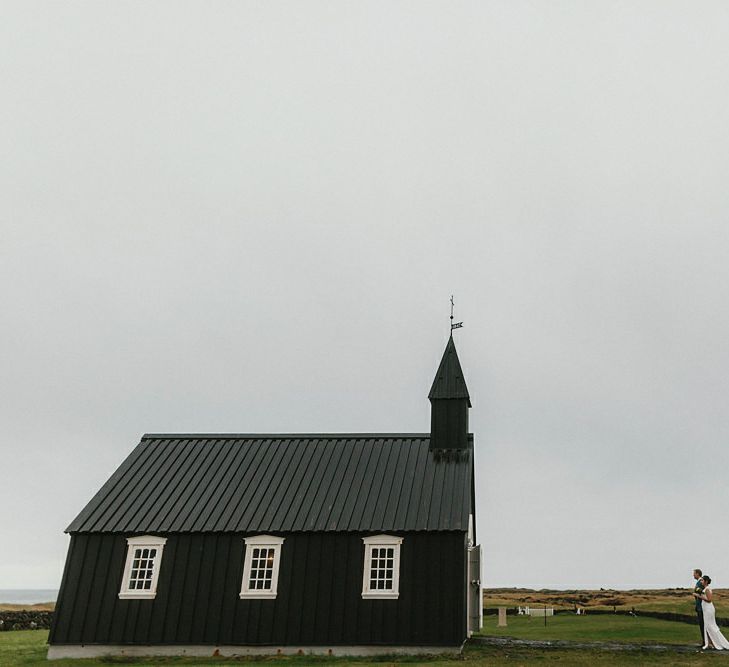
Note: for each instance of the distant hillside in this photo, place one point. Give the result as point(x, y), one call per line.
point(676, 600)
point(43, 606)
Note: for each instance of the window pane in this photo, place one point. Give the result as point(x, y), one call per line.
point(261, 564)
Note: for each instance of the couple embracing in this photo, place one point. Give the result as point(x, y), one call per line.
point(710, 634)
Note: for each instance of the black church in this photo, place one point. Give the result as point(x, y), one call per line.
point(232, 544)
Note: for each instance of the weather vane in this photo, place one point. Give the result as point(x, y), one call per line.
point(454, 325)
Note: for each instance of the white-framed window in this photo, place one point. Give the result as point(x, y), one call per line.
point(260, 570)
point(381, 577)
point(141, 570)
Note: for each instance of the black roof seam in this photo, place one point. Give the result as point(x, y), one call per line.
point(384, 491)
point(327, 479)
point(218, 495)
point(228, 492)
point(337, 481)
point(297, 471)
point(192, 479)
point(316, 461)
point(168, 497)
point(261, 490)
point(260, 511)
point(348, 473)
point(375, 459)
point(395, 497)
point(346, 514)
point(246, 495)
point(200, 502)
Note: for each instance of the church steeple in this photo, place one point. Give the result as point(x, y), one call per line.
point(449, 403)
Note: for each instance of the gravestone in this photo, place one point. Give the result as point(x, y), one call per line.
point(502, 617)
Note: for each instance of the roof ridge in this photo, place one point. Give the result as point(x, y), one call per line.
point(259, 436)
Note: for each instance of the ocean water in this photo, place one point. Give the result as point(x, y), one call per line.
point(27, 596)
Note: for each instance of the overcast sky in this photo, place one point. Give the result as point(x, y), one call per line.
point(249, 217)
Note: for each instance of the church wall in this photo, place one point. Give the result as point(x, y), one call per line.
point(319, 598)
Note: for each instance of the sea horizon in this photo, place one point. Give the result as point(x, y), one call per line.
point(27, 595)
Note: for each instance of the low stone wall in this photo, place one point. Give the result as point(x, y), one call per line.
point(25, 620)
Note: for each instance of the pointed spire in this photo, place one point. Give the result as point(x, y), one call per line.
point(449, 381)
point(449, 404)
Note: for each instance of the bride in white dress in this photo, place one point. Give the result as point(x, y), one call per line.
point(712, 634)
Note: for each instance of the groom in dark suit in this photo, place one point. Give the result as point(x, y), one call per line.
point(699, 588)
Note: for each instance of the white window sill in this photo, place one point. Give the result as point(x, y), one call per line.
point(137, 596)
point(380, 596)
point(257, 596)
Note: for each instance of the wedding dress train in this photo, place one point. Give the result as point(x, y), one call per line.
point(711, 629)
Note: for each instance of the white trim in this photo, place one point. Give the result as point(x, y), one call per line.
point(153, 542)
point(375, 541)
point(265, 541)
point(77, 651)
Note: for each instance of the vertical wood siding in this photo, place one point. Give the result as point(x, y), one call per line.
point(319, 594)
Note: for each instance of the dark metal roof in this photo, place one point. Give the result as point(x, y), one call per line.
point(449, 381)
point(283, 483)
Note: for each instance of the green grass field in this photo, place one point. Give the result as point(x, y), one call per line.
point(599, 628)
point(28, 647)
